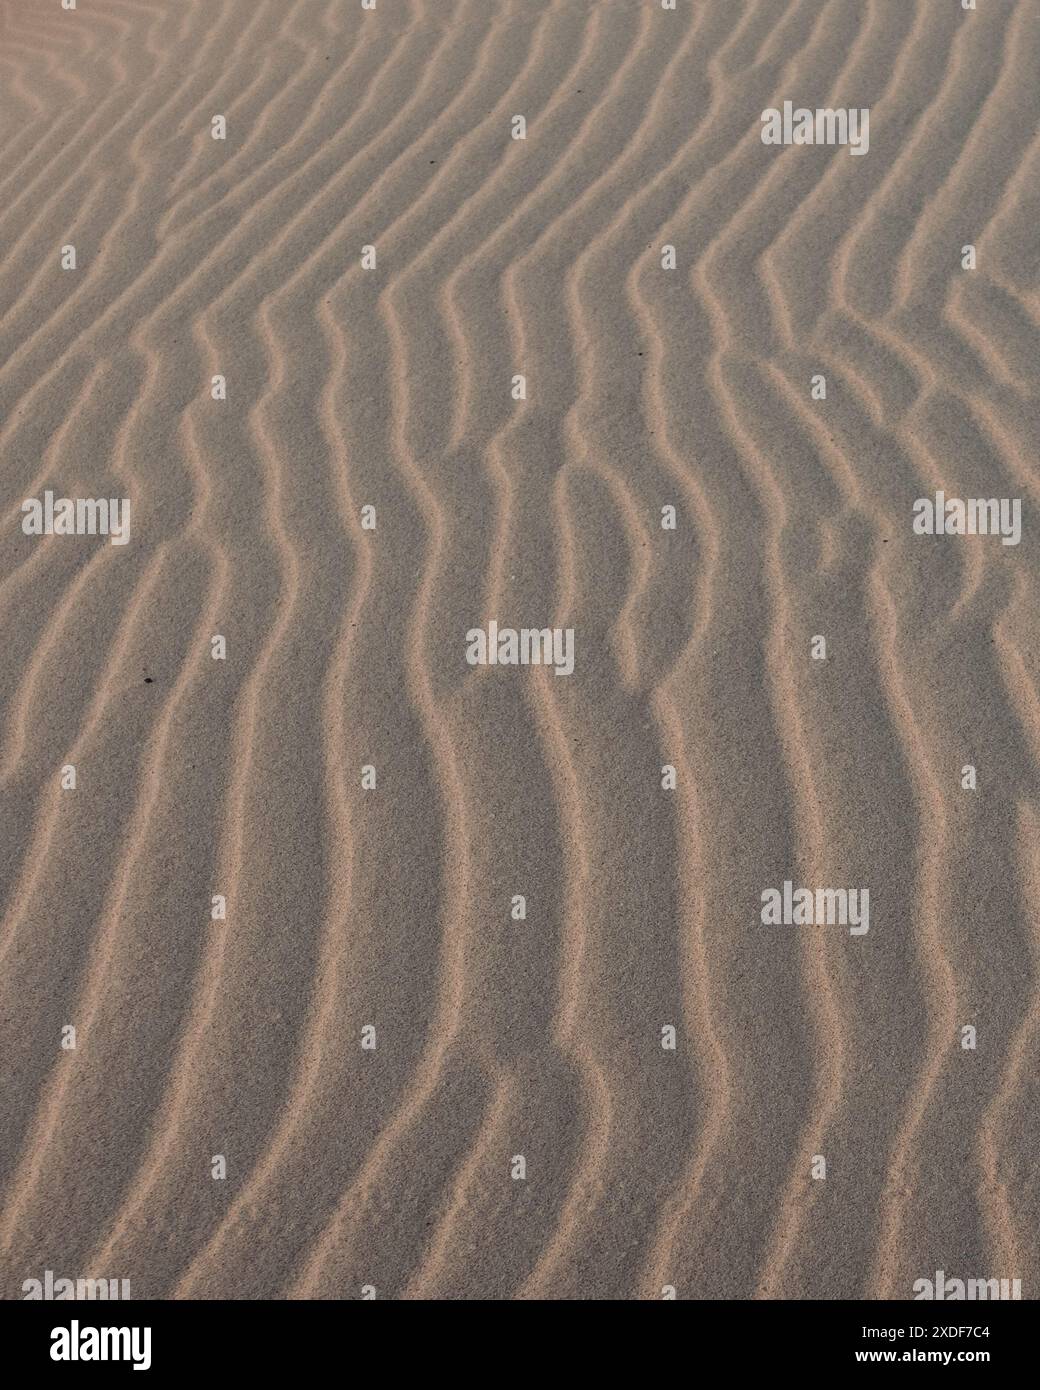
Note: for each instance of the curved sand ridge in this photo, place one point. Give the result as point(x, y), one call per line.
point(646, 387)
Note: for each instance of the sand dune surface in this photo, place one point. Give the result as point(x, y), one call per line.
point(344, 951)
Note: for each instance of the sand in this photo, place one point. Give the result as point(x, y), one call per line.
point(222, 1126)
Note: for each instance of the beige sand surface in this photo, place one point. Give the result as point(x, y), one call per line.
point(393, 907)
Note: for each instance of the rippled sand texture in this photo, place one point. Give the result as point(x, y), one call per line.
point(391, 388)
